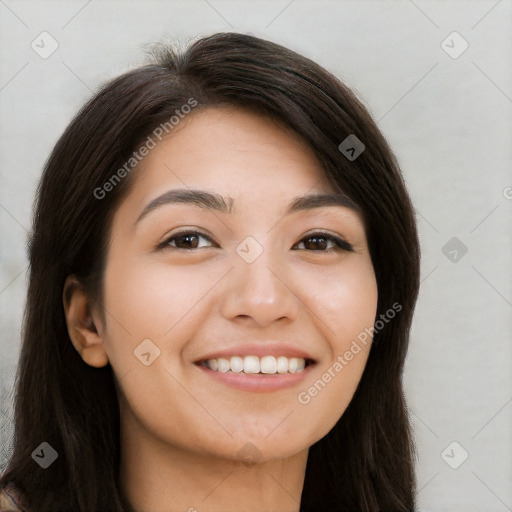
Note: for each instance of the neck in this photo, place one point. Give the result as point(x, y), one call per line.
point(158, 477)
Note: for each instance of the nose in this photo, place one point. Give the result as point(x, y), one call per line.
point(259, 291)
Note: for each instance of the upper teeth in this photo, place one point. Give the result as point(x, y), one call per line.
point(255, 364)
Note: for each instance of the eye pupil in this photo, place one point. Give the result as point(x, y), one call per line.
point(315, 241)
point(187, 237)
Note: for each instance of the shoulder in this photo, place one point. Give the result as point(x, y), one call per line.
point(11, 499)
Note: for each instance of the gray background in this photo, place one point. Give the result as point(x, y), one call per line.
point(448, 120)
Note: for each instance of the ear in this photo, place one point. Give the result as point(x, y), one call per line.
point(82, 328)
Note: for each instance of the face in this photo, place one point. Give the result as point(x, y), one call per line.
point(212, 313)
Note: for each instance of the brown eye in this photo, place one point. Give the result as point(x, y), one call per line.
point(185, 240)
point(319, 242)
point(316, 242)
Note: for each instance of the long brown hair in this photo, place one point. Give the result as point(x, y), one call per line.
point(366, 462)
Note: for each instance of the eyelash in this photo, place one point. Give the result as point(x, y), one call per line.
point(341, 244)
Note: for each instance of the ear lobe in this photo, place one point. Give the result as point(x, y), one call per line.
point(82, 329)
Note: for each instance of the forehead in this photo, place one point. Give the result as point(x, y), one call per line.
point(236, 148)
point(233, 162)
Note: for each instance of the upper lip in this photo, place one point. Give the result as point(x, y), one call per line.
point(260, 350)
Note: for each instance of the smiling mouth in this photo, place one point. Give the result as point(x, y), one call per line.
point(254, 365)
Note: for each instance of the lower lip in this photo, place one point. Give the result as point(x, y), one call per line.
point(258, 382)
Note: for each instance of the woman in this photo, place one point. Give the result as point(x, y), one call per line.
point(224, 267)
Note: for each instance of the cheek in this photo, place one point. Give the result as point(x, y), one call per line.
point(344, 301)
point(149, 301)
point(346, 308)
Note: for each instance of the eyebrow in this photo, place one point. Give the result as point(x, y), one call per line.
point(212, 201)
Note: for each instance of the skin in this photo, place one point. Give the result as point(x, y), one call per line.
point(183, 433)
